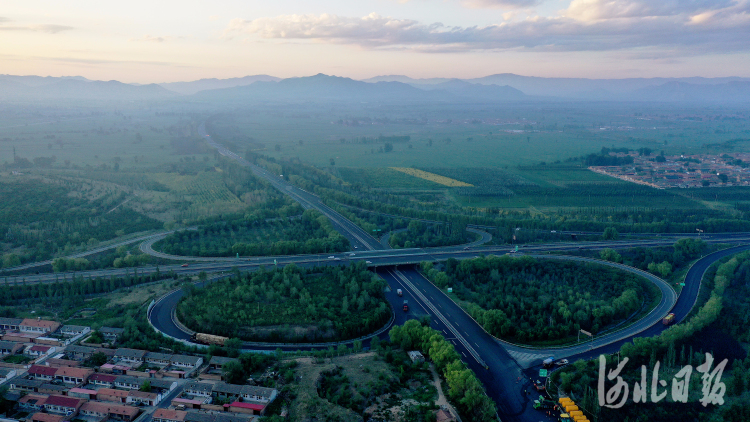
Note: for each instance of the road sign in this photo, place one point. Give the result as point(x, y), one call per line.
point(586, 332)
point(543, 373)
point(450, 289)
point(682, 284)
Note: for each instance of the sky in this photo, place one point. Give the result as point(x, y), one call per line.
point(151, 41)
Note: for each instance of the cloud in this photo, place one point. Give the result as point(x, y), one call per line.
point(499, 4)
point(149, 38)
point(588, 10)
point(687, 30)
point(48, 28)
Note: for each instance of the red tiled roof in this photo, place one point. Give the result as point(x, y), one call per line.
point(42, 370)
point(62, 401)
point(39, 348)
point(46, 417)
point(67, 371)
point(103, 377)
point(174, 415)
point(243, 405)
point(107, 408)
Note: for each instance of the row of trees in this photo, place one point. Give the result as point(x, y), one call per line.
point(464, 389)
point(420, 235)
point(312, 233)
point(290, 305)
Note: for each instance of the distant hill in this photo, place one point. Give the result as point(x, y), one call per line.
point(629, 89)
point(319, 88)
point(470, 91)
point(189, 88)
point(730, 92)
point(34, 88)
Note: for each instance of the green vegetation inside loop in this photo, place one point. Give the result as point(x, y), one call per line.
point(310, 233)
point(290, 305)
point(719, 327)
point(527, 300)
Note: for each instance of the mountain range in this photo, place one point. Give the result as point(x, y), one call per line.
point(383, 89)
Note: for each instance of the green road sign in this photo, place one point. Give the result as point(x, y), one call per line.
point(543, 373)
point(450, 289)
point(682, 284)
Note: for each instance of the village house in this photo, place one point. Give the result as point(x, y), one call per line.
point(74, 330)
point(32, 402)
point(23, 384)
point(109, 411)
point(10, 347)
point(6, 374)
point(102, 380)
point(111, 334)
point(46, 417)
point(53, 389)
point(148, 399)
point(112, 395)
point(130, 355)
point(38, 325)
point(249, 408)
point(245, 392)
point(44, 373)
point(10, 323)
point(82, 393)
point(161, 359)
point(62, 405)
point(199, 389)
point(188, 362)
point(81, 353)
point(169, 415)
point(76, 376)
point(39, 350)
point(59, 363)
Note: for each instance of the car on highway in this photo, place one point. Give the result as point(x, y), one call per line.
point(561, 362)
point(352, 254)
point(184, 265)
point(337, 259)
point(368, 262)
point(331, 257)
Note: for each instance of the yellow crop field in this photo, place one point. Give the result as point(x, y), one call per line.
point(432, 177)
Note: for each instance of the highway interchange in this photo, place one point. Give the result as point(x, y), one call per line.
point(503, 368)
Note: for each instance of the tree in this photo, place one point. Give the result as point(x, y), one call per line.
point(611, 255)
point(145, 386)
point(610, 233)
point(723, 177)
point(96, 360)
point(233, 372)
point(388, 147)
point(232, 347)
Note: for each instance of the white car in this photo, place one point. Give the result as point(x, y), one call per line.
point(331, 257)
point(351, 254)
point(337, 259)
point(368, 262)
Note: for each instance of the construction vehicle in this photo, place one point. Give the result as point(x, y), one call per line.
point(669, 319)
point(544, 405)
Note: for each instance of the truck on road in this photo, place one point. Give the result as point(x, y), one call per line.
point(669, 319)
point(399, 292)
